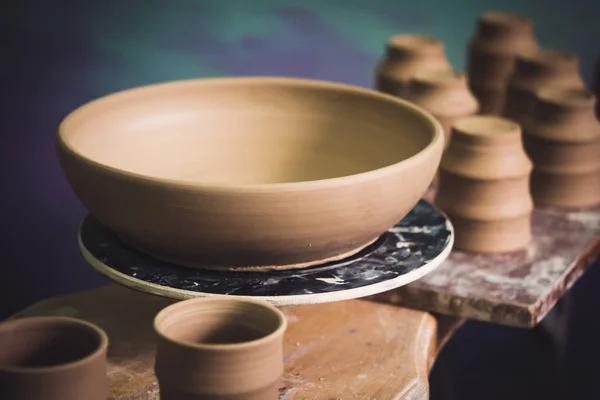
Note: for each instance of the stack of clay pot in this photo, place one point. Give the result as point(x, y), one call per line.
point(597, 87)
point(445, 94)
point(562, 139)
point(405, 56)
point(484, 185)
point(537, 70)
point(500, 37)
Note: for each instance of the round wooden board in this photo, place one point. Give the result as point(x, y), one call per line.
point(411, 249)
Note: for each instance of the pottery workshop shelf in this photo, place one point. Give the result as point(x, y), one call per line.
point(349, 349)
point(516, 289)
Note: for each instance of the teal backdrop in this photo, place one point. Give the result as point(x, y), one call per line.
point(56, 55)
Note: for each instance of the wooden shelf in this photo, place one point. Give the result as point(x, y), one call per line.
point(516, 289)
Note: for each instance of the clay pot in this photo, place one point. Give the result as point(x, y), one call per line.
point(484, 185)
point(405, 56)
point(445, 94)
point(52, 358)
point(500, 37)
point(249, 173)
point(563, 141)
point(537, 70)
point(218, 349)
point(597, 87)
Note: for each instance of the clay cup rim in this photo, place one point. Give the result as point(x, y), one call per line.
point(505, 19)
point(413, 41)
point(173, 309)
point(556, 58)
point(96, 107)
point(441, 77)
point(29, 323)
point(566, 96)
point(486, 126)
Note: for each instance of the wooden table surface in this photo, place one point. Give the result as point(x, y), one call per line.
point(353, 349)
point(516, 289)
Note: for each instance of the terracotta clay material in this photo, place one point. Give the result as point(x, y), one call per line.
point(484, 185)
point(563, 140)
point(249, 173)
point(52, 358)
point(219, 349)
point(537, 70)
point(405, 56)
point(500, 37)
point(597, 86)
point(445, 94)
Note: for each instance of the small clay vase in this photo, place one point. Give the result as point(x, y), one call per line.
point(484, 185)
point(537, 70)
point(217, 349)
point(405, 56)
point(500, 37)
point(445, 94)
point(52, 358)
point(563, 140)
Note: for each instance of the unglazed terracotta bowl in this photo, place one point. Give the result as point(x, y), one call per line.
point(249, 173)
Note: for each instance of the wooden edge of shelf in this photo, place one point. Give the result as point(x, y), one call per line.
point(520, 315)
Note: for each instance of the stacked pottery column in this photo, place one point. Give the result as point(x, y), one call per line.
point(597, 87)
point(484, 185)
point(445, 94)
point(563, 140)
point(535, 71)
point(405, 56)
point(500, 37)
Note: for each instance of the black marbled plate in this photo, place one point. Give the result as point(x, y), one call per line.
point(412, 248)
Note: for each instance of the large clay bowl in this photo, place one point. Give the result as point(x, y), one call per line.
point(249, 172)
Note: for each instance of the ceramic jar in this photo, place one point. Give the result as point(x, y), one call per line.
point(537, 70)
point(52, 358)
point(500, 37)
point(405, 56)
point(563, 140)
point(484, 185)
point(445, 94)
point(216, 348)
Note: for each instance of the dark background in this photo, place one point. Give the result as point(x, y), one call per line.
point(56, 55)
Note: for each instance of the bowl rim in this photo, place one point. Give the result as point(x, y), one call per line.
point(346, 180)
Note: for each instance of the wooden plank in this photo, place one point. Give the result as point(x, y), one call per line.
point(516, 289)
point(354, 349)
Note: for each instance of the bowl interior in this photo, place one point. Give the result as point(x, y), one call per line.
point(247, 131)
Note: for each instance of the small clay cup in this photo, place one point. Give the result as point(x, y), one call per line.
point(535, 71)
point(445, 94)
point(219, 349)
point(52, 358)
point(562, 138)
point(500, 37)
point(405, 56)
